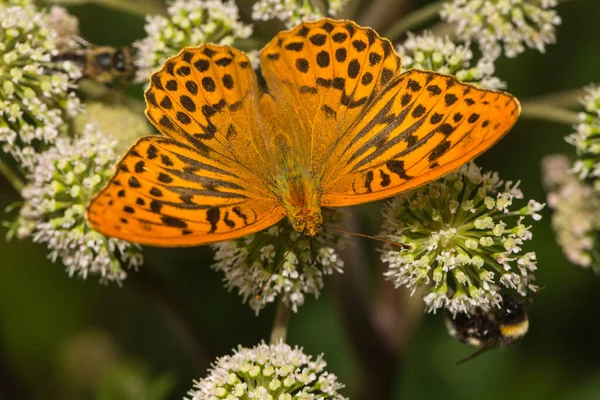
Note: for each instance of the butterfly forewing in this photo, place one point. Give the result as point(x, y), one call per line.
point(212, 179)
point(208, 98)
point(323, 76)
point(421, 126)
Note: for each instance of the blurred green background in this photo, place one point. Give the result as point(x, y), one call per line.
point(63, 338)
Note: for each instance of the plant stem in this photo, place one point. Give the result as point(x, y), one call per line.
point(567, 99)
point(549, 113)
point(280, 326)
point(136, 7)
point(413, 20)
point(11, 176)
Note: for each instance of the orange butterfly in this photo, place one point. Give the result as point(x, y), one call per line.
point(339, 125)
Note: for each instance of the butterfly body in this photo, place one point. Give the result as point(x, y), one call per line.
point(338, 125)
point(301, 201)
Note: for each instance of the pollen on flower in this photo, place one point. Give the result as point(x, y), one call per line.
point(35, 105)
point(576, 212)
point(249, 264)
point(434, 53)
point(189, 23)
point(64, 180)
point(276, 372)
point(507, 25)
point(471, 250)
point(586, 139)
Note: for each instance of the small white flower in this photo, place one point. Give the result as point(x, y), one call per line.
point(576, 217)
point(434, 53)
point(504, 24)
point(293, 12)
point(63, 182)
point(273, 372)
point(189, 23)
point(586, 138)
point(470, 250)
point(250, 261)
point(35, 105)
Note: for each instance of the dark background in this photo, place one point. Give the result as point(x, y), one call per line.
point(73, 339)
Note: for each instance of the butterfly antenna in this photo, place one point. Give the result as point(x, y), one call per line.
point(403, 246)
point(258, 295)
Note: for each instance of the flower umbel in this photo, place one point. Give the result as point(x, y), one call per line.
point(586, 139)
point(576, 217)
point(61, 185)
point(293, 12)
point(34, 104)
point(250, 261)
point(512, 24)
point(190, 23)
point(268, 372)
point(462, 241)
point(435, 53)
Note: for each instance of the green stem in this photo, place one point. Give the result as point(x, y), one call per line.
point(280, 326)
point(566, 99)
point(135, 7)
point(12, 177)
point(549, 113)
point(413, 20)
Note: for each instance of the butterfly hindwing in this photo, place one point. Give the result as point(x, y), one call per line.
point(421, 126)
point(323, 76)
point(167, 194)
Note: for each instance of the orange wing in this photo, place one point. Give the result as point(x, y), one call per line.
point(366, 131)
point(212, 179)
point(324, 75)
point(421, 126)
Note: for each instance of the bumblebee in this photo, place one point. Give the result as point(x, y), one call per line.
point(490, 329)
point(108, 65)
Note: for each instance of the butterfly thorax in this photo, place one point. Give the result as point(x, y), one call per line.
point(301, 200)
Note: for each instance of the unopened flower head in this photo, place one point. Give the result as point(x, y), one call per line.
point(250, 261)
point(440, 54)
point(190, 23)
point(125, 123)
point(464, 239)
point(268, 372)
point(293, 12)
point(504, 24)
point(576, 212)
point(34, 97)
point(586, 139)
point(64, 180)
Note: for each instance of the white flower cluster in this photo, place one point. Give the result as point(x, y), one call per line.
point(293, 12)
point(250, 261)
point(508, 24)
point(64, 180)
point(190, 23)
point(576, 216)
point(435, 53)
point(586, 139)
point(34, 97)
point(268, 372)
point(460, 240)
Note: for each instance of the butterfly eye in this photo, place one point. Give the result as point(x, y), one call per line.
point(297, 224)
point(318, 218)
